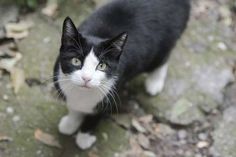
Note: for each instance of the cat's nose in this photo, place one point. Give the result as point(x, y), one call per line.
point(86, 79)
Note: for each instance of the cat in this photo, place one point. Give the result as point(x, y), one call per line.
point(119, 41)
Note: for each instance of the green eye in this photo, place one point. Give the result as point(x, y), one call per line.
point(76, 62)
point(102, 66)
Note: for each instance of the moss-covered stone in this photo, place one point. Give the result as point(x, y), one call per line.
point(184, 112)
point(225, 135)
point(198, 72)
point(32, 109)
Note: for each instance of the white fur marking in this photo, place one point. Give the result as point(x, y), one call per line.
point(85, 140)
point(85, 99)
point(70, 123)
point(155, 82)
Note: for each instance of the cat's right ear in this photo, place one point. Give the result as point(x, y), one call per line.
point(69, 32)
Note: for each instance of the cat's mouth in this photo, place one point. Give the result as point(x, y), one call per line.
point(87, 86)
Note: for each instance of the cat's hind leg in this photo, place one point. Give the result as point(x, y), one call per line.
point(156, 80)
point(71, 122)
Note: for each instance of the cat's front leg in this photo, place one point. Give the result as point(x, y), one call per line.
point(70, 122)
point(85, 139)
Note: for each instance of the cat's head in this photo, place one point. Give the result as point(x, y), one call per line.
point(89, 62)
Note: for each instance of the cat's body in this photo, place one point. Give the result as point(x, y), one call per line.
point(94, 60)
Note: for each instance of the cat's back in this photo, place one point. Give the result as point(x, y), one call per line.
point(130, 15)
point(153, 27)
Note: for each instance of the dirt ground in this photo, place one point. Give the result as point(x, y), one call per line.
point(195, 115)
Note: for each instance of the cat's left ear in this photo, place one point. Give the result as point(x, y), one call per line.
point(116, 45)
point(119, 41)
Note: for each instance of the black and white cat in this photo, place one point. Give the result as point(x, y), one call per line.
point(116, 43)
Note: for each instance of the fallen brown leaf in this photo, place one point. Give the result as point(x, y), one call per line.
point(92, 154)
point(51, 9)
point(100, 3)
point(17, 78)
point(146, 119)
point(202, 144)
point(138, 126)
point(46, 138)
point(226, 15)
point(148, 154)
point(123, 120)
point(135, 147)
point(9, 63)
point(4, 138)
point(18, 30)
point(143, 141)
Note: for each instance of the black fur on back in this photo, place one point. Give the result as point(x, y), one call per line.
point(153, 28)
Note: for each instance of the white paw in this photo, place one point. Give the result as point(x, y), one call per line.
point(68, 125)
point(85, 140)
point(154, 87)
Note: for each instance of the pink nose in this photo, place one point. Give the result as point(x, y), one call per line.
point(86, 79)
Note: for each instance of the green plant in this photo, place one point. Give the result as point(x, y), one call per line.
point(32, 4)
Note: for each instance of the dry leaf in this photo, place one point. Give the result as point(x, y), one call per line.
point(123, 120)
point(9, 63)
point(146, 119)
point(18, 30)
point(100, 3)
point(135, 148)
point(51, 9)
point(226, 15)
point(201, 8)
point(138, 126)
point(202, 144)
point(46, 138)
point(143, 141)
point(4, 138)
point(134, 151)
point(149, 154)
point(18, 35)
point(17, 78)
point(162, 130)
point(92, 154)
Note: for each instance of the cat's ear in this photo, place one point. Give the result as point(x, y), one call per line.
point(119, 41)
point(116, 45)
point(69, 32)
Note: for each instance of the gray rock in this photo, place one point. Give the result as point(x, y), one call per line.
point(100, 3)
point(164, 131)
point(198, 77)
point(184, 112)
point(202, 136)
point(224, 136)
point(8, 13)
point(211, 80)
point(182, 134)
